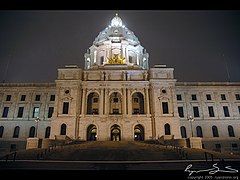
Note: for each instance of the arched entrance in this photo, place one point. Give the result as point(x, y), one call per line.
point(115, 133)
point(91, 133)
point(138, 133)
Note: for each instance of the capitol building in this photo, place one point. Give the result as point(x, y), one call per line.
point(118, 97)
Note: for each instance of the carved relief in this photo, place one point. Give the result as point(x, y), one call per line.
point(67, 98)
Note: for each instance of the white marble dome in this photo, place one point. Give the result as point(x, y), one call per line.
point(116, 40)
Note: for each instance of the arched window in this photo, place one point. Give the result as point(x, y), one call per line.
point(1, 131)
point(183, 132)
point(32, 132)
point(93, 103)
point(215, 131)
point(199, 131)
point(16, 132)
point(137, 103)
point(115, 103)
point(47, 132)
point(63, 129)
point(231, 131)
point(167, 129)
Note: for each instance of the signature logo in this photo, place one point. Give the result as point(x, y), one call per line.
point(212, 170)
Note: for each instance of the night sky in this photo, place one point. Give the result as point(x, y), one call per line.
point(202, 45)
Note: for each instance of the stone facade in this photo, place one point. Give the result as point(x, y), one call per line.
point(117, 97)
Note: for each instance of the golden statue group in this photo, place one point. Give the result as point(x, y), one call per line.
point(116, 59)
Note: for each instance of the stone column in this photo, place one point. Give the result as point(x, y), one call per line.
point(124, 100)
point(129, 99)
point(137, 59)
point(101, 102)
point(106, 102)
point(127, 59)
point(83, 102)
point(147, 101)
point(124, 52)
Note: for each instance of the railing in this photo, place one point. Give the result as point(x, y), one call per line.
point(209, 157)
point(7, 157)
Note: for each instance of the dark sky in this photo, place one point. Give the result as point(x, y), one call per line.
point(200, 44)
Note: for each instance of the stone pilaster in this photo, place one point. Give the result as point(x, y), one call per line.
point(83, 102)
point(101, 102)
point(129, 98)
point(124, 100)
point(147, 101)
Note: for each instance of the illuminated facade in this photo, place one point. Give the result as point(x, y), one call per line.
point(118, 97)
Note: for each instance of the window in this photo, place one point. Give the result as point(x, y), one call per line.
point(23, 97)
point(180, 112)
point(135, 111)
point(65, 107)
point(16, 132)
point(234, 147)
point(218, 147)
point(164, 91)
point(167, 129)
point(95, 111)
point(37, 97)
point(130, 59)
point(95, 100)
point(20, 112)
point(115, 111)
point(8, 98)
point(239, 109)
point(165, 107)
point(135, 100)
point(183, 132)
point(199, 131)
point(13, 147)
point(179, 97)
point(47, 132)
point(223, 97)
point(215, 131)
point(5, 111)
point(63, 129)
point(92, 103)
point(1, 131)
point(209, 97)
point(226, 111)
point(195, 111)
point(194, 97)
point(35, 112)
point(52, 98)
point(32, 132)
point(231, 131)
point(50, 111)
point(101, 60)
point(210, 111)
point(115, 100)
point(237, 96)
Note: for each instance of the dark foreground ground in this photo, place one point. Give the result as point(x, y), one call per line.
point(119, 158)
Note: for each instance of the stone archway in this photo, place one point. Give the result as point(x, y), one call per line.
point(91, 133)
point(138, 133)
point(115, 133)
